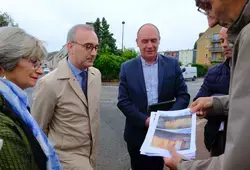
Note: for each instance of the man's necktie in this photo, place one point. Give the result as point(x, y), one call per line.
point(84, 75)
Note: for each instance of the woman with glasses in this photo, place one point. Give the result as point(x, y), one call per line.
point(25, 146)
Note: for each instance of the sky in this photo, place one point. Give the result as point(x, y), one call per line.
point(179, 21)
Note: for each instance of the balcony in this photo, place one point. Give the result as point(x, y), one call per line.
point(216, 49)
point(218, 60)
point(215, 40)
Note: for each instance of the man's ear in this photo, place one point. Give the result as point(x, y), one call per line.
point(137, 42)
point(69, 47)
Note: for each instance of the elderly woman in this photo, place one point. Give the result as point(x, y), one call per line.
point(25, 146)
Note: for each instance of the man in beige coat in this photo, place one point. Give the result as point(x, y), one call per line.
point(234, 14)
point(67, 102)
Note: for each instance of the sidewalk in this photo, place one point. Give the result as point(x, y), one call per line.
point(110, 83)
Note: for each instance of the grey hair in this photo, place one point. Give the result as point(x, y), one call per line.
point(15, 44)
point(72, 32)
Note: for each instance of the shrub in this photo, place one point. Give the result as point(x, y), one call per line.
point(180, 63)
point(201, 69)
point(109, 65)
point(129, 54)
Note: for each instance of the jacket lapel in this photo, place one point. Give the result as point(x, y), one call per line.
point(160, 73)
point(141, 75)
point(77, 89)
point(65, 73)
point(91, 76)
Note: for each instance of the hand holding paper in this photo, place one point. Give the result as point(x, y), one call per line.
point(169, 128)
point(202, 106)
point(174, 160)
point(147, 122)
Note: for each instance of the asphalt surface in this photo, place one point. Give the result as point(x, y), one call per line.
point(113, 154)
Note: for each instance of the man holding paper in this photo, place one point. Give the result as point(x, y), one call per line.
point(148, 79)
point(234, 14)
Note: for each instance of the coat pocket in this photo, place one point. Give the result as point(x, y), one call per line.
point(74, 142)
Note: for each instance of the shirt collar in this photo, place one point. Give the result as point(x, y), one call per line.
point(76, 71)
point(145, 63)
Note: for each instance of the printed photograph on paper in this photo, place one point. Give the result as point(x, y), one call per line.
point(172, 123)
point(163, 138)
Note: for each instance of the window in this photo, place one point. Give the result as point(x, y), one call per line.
point(206, 55)
point(216, 36)
point(213, 56)
point(216, 45)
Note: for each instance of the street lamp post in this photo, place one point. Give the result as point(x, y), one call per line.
point(123, 22)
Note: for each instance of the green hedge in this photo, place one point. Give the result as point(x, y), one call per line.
point(110, 65)
point(201, 69)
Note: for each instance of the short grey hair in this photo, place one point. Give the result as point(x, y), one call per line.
point(72, 32)
point(15, 44)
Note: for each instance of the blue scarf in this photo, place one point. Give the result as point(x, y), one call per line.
point(19, 102)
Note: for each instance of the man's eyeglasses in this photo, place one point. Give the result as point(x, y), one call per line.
point(202, 11)
point(89, 47)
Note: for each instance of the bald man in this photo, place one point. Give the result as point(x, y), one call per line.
point(216, 82)
point(148, 79)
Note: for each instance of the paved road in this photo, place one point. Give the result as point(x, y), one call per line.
point(112, 153)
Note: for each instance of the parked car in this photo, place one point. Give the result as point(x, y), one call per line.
point(46, 70)
point(189, 73)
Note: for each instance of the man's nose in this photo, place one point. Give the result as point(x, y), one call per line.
point(94, 52)
point(149, 45)
point(225, 45)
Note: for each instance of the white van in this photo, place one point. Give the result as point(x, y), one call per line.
point(189, 73)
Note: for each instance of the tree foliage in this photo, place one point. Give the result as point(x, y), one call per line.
point(6, 20)
point(106, 39)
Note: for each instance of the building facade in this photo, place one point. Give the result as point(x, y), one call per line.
point(174, 54)
point(186, 57)
point(209, 47)
point(53, 59)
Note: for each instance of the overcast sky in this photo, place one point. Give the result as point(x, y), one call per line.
point(49, 20)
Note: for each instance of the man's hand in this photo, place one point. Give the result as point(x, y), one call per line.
point(172, 163)
point(202, 106)
point(147, 122)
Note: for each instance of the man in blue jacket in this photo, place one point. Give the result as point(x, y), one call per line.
point(148, 79)
point(216, 82)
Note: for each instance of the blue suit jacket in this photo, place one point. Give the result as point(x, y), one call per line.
point(216, 83)
point(132, 98)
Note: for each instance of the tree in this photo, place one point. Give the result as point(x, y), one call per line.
point(97, 27)
point(106, 40)
point(129, 54)
point(107, 44)
point(6, 20)
point(195, 45)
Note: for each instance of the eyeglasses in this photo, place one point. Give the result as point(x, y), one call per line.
point(202, 11)
point(204, 7)
point(89, 47)
point(35, 63)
